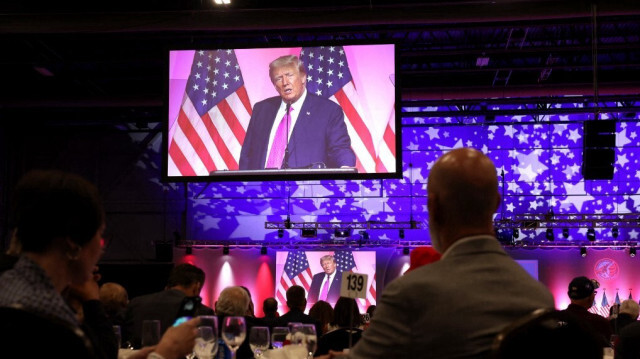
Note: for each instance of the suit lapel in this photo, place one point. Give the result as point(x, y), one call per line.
point(304, 116)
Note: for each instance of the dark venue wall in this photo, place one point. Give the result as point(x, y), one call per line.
point(515, 82)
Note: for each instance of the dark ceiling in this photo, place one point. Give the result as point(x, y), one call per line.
point(96, 62)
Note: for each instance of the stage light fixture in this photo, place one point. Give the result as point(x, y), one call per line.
point(632, 252)
point(225, 250)
point(342, 232)
point(365, 235)
point(591, 234)
point(583, 252)
point(308, 232)
point(615, 232)
point(222, 2)
point(406, 251)
point(549, 235)
point(401, 233)
point(565, 232)
point(516, 233)
point(263, 250)
point(280, 233)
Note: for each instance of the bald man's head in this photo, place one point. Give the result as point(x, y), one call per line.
point(462, 196)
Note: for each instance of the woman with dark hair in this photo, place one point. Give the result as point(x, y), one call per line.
point(347, 319)
point(323, 313)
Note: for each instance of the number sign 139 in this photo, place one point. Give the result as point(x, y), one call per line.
point(354, 285)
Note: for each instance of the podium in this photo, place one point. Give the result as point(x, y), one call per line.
point(287, 171)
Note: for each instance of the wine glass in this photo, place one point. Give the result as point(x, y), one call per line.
point(297, 336)
point(234, 331)
point(259, 340)
point(310, 338)
point(279, 336)
point(206, 345)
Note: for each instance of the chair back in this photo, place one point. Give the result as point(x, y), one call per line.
point(549, 334)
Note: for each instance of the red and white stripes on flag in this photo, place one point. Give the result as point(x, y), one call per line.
point(328, 76)
point(363, 304)
point(213, 118)
point(386, 160)
point(296, 272)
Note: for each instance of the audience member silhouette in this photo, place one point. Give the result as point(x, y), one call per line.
point(270, 309)
point(115, 299)
point(58, 220)
point(347, 321)
point(582, 292)
point(234, 302)
point(323, 313)
point(455, 306)
point(184, 284)
point(627, 314)
point(628, 346)
point(297, 302)
point(251, 309)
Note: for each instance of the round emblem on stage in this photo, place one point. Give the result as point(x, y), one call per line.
point(606, 269)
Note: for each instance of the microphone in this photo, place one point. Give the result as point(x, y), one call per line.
point(285, 160)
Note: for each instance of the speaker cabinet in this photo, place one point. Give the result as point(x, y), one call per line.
point(598, 155)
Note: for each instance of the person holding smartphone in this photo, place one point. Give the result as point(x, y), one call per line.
point(180, 299)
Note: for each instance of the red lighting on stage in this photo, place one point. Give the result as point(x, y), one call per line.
point(264, 286)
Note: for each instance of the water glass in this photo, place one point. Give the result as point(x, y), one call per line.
point(118, 333)
point(150, 332)
point(279, 336)
point(206, 344)
point(297, 336)
point(259, 340)
point(310, 338)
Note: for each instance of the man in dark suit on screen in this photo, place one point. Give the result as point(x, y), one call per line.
point(326, 284)
point(296, 129)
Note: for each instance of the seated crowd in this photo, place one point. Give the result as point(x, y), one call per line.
point(465, 301)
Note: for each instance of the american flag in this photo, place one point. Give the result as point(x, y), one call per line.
point(328, 76)
point(213, 118)
point(344, 261)
point(604, 307)
point(371, 296)
point(617, 301)
point(296, 272)
point(385, 162)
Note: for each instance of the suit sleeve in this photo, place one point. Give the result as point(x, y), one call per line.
point(389, 334)
point(338, 141)
point(248, 152)
point(314, 289)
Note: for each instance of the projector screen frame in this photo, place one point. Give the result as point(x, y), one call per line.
point(290, 174)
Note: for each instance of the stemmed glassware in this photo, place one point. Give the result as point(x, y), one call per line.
point(297, 336)
point(259, 340)
point(279, 336)
point(206, 346)
point(234, 331)
point(310, 338)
